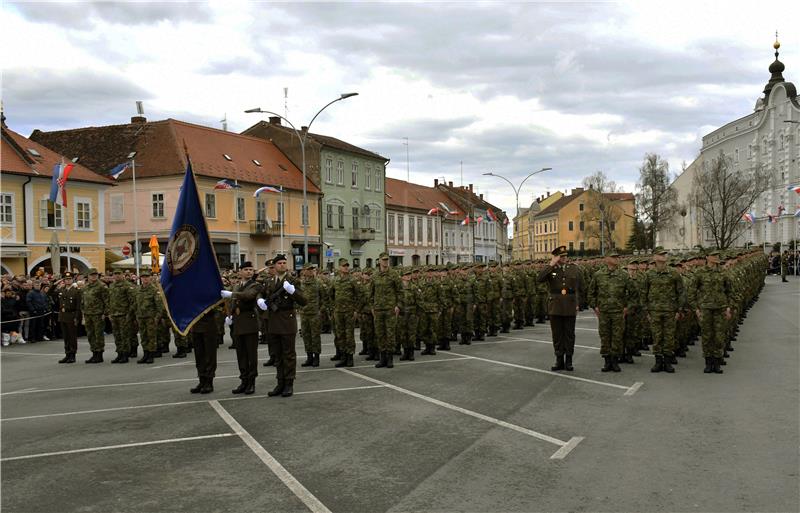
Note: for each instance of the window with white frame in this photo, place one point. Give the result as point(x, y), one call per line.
point(261, 209)
point(281, 212)
point(7, 208)
point(355, 217)
point(51, 215)
point(329, 216)
point(390, 227)
point(401, 228)
point(378, 180)
point(83, 214)
point(354, 175)
point(368, 178)
point(341, 216)
point(378, 220)
point(430, 231)
point(419, 231)
point(117, 202)
point(211, 205)
point(328, 170)
point(157, 200)
point(304, 215)
point(240, 211)
point(340, 172)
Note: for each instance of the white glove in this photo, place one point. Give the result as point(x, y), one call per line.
point(262, 304)
point(225, 294)
point(288, 287)
point(228, 320)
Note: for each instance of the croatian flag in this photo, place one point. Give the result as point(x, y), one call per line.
point(118, 170)
point(479, 219)
point(505, 222)
point(797, 214)
point(266, 188)
point(453, 213)
point(795, 188)
point(58, 187)
point(465, 222)
point(772, 218)
point(433, 211)
point(226, 183)
point(491, 215)
point(749, 217)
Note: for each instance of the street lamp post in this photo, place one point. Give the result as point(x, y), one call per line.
point(517, 189)
point(302, 139)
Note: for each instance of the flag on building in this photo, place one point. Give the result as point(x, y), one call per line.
point(479, 219)
point(453, 213)
point(795, 188)
point(750, 217)
point(118, 170)
point(797, 214)
point(58, 186)
point(465, 222)
point(433, 211)
point(190, 278)
point(266, 188)
point(505, 221)
point(491, 215)
point(226, 183)
point(781, 210)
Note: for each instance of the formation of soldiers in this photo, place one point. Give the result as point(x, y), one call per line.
point(661, 303)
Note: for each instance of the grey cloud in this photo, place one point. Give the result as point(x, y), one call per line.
point(83, 15)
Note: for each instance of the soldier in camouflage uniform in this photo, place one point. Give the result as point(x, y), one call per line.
point(644, 326)
point(481, 309)
point(163, 325)
point(120, 299)
point(133, 332)
point(634, 319)
point(429, 316)
point(310, 315)
point(493, 298)
point(345, 297)
point(507, 281)
point(519, 289)
point(147, 308)
point(384, 296)
point(531, 285)
point(663, 296)
point(94, 305)
point(409, 301)
point(366, 320)
point(465, 299)
point(446, 311)
point(711, 297)
point(609, 293)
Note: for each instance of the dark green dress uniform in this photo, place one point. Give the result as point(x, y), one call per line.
point(565, 286)
point(205, 342)
point(69, 315)
point(283, 329)
point(245, 331)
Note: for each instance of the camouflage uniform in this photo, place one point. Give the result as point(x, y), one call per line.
point(519, 288)
point(663, 296)
point(711, 292)
point(366, 322)
point(147, 308)
point(507, 283)
point(430, 302)
point(310, 317)
point(465, 297)
point(407, 331)
point(345, 296)
point(445, 313)
point(385, 290)
point(94, 305)
point(120, 299)
point(609, 292)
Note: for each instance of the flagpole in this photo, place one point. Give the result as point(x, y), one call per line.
point(66, 221)
point(136, 255)
point(236, 220)
point(283, 220)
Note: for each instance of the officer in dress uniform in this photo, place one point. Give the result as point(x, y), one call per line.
point(565, 287)
point(69, 314)
point(244, 320)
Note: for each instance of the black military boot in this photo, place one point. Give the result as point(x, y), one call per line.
point(93, 359)
point(659, 365)
point(410, 354)
point(559, 365)
point(288, 390)
point(181, 353)
point(207, 386)
point(315, 359)
point(517, 325)
point(251, 387)
point(71, 358)
point(65, 359)
point(681, 352)
point(389, 360)
point(716, 365)
point(505, 328)
point(568, 363)
point(134, 352)
point(668, 368)
point(418, 345)
point(492, 331)
point(725, 353)
point(338, 356)
point(615, 364)
point(405, 355)
point(119, 355)
point(373, 354)
point(382, 363)
point(672, 359)
point(467, 339)
point(156, 353)
point(349, 360)
point(241, 388)
point(364, 350)
point(397, 349)
point(309, 360)
point(342, 360)
point(277, 390)
point(440, 345)
point(628, 357)
point(123, 358)
point(479, 336)
point(270, 362)
point(196, 389)
point(446, 345)
point(607, 367)
point(709, 365)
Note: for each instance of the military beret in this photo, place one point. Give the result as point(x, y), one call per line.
point(309, 265)
point(67, 275)
point(383, 255)
point(93, 270)
point(661, 252)
point(343, 261)
point(277, 258)
point(559, 251)
point(144, 273)
point(246, 264)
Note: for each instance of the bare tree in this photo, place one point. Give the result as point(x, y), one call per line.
point(722, 195)
point(656, 201)
point(600, 209)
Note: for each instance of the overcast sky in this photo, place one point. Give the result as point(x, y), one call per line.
point(508, 88)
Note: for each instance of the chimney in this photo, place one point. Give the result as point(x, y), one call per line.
point(470, 187)
point(138, 119)
point(436, 182)
point(450, 184)
point(303, 129)
point(481, 196)
point(577, 190)
point(275, 120)
point(548, 194)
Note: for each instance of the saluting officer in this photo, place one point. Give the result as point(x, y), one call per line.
point(565, 286)
point(69, 314)
point(245, 327)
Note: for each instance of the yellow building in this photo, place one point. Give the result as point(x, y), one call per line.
point(580, 220)
point(28, 219)
point(241, 226)
point(521, 243)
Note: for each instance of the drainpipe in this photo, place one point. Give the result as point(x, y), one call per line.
point(24, 223)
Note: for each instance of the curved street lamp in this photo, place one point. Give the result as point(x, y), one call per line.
point(302, 139)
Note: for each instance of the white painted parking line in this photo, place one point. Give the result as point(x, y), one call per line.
point(119, 446)
point(179, 403)
point(538, 341)
point(632, 390)
point(6, 352)
point(543, 371)
point(236, 376)
point(586, 329)
point(302, 493)
point(535, 434)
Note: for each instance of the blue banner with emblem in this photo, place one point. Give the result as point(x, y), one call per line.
point(190, 277)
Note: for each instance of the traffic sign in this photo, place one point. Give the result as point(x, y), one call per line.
point(126, 250)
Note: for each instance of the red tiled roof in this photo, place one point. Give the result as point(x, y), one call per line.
point(400, 193)
point(17, 159)
point(467, 199)
point(159, 148)
point(564, 200)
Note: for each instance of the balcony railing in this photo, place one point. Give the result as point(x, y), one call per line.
point(260, 227)
point(362, 234)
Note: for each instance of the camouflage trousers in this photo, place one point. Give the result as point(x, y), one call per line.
point(631, 339)
point(121, 329)
point(493, 313)
point(662, 326)
point(311, 326)
point(181, 342)
point(530, 309)
point(385, 325)
point(713, 332)
point(345, 325)
point(466, 316)
point(147, 329)
point(519, 309)
point(480, 319)
point(162, 333)
point(445, 321)
point(407, 330)
point(133, 332)
point(94, 331)
point(428, 321)
point(612, 328)
point(366, 331)
point(506, 311)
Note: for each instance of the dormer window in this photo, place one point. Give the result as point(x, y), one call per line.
point(227, 157)
point(34, 152)
point(256, 162)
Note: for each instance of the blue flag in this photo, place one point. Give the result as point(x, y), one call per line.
point(190, 277)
